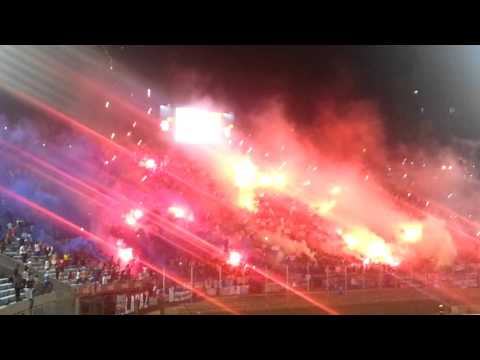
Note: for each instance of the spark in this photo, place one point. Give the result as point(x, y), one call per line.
point(133, 216)
point(148, 163)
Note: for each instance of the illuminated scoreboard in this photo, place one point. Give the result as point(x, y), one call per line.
point(196, 126)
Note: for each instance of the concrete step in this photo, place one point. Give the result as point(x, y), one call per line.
point(5, 286)
point(7, 292)
point(8, 299)
point(3, 280)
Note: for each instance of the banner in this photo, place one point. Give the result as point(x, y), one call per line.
point(178, 295)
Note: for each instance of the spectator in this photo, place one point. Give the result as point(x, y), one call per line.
point(30, 284)
point(26, 273)
point(66, 258)
point(19, 284)
point(53, 261)
point(37, 249)
point(16, 271)
point(23, 253)
point(57, 271)
point(77, 277)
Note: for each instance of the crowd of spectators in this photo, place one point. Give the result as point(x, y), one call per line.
point(283, 233)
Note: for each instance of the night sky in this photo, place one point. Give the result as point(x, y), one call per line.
point(446, 78)
point(243, 77)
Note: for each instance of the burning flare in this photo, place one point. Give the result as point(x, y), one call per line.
point(367, 245)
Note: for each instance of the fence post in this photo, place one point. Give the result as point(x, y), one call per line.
point(346, 278)
point(327, 280)
point(220, 279)
point(308, 277)
point(191, 281)
point(266, 282)
point(163, 281)
point(287, 276)
point(381, 276)
point(363, 278)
